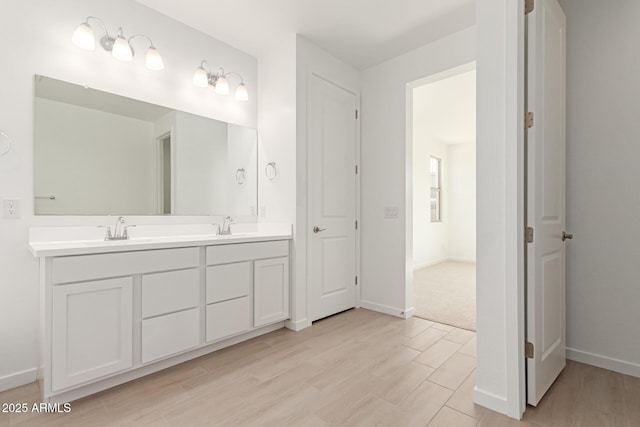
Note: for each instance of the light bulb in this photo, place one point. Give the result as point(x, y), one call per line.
point(222, 86)
point(241, 93)
point(154, 60)
point(122, 49)
point(83, 37)
point(200, 77)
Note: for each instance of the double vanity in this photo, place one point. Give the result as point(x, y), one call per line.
point(112, 311)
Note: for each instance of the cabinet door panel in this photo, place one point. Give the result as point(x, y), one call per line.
point(271, 291)
point(92, 330)
point(228, 318)
point(171, 291)
point(228, 281)
point(170, 334)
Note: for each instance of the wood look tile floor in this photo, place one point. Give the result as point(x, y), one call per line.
point(359, 368)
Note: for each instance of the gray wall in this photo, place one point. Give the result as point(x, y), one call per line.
point(603, 198)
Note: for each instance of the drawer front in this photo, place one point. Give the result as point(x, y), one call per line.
point(228, 281)
point(228, 318)
point(224, 254)
point(166, 335)
point(86, 267)
point(171, 291)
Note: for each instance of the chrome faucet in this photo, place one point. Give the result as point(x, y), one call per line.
point(120, 232)
point(226, 227)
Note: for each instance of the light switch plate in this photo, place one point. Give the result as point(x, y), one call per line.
point(11, 208)
point(391, 212)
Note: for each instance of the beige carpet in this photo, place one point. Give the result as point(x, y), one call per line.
point(446, 293)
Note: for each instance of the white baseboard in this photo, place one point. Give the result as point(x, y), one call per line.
point(298, 325)
point(452, 259)
point(616, 365)
point(380, 308)
point(490, 400)
point(20, 378)
point(409, 313)
point(467, 260)
point(428, 264)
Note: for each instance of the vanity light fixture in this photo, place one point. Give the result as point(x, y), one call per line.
point(119, 46)
point(219, 82)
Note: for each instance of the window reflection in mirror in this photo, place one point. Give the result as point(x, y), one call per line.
point(97, 153)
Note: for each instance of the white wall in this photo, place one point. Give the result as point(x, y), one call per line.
point(461, 201)
point(386, 168)
point(444, 125)
point(99, 142)
point(36, 40)
point(603, 201)
point(430, 239)
point(200, 165)
point(242, 153)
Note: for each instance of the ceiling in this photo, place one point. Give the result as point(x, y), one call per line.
point(359, 32)
point(446, 109)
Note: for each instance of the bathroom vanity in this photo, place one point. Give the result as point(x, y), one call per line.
point(112, 311)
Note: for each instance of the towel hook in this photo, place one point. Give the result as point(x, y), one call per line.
point(6, 141)
point(271, 171)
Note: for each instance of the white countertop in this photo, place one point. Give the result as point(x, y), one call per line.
point(64, 241)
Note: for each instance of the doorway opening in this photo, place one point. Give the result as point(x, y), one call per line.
point(444, 198)
point(164, 174)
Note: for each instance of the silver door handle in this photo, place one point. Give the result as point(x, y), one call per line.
point(317, 229)
point(566, 236)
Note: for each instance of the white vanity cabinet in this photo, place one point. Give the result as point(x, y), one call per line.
point(109, 317)
point(247, 287)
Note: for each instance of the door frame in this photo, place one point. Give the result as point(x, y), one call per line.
point(309, 232)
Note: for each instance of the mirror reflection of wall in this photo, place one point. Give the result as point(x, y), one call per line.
point(99, 153)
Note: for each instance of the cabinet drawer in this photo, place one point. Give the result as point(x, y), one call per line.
point(85, 267)
point(228, 281)
point(171, 291)
point(165, 335)
point(224, 254)
point(228, 318)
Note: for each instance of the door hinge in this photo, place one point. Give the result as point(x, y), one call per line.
point(356, 280)
point(528, 6)
point(356, 224)
point(356, 114)
point(529, 234)
point(529, 120)
point(528, 350)
point(356, 169)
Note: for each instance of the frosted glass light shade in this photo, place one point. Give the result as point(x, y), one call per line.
point(222, 86)
point(241, 93)
point(83, 37)
point(154, 60)
point(122, 50)
point(200, 77)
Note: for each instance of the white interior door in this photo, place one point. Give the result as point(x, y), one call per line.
point(332, 198)
point(546, 308)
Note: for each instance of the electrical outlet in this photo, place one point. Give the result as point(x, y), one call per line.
point(391, 212)
point(263, 211)
point(11, 208)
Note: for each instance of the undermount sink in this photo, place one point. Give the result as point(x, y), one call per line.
point(116, 242)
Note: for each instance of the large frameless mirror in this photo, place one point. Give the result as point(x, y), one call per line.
point(97, 153)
